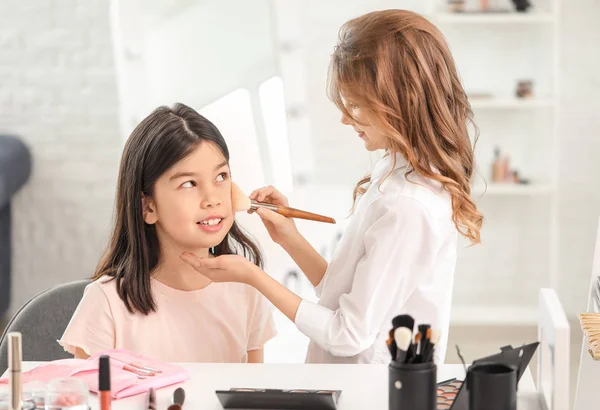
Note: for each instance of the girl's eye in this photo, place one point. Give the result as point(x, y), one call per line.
point(188, 184)
point(222, 176)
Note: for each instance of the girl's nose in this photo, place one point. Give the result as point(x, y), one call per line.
point(210, 199)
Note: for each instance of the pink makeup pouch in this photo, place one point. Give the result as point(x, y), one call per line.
point(129, 374)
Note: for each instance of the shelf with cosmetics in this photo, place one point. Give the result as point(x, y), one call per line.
point(507, 54)
point(512, 189)
point(511, 103)
point(499, 17)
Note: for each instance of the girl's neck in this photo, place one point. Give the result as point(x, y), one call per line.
point(175, 273)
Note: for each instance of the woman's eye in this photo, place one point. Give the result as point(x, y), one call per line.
point(222, 176)
point(188, 184)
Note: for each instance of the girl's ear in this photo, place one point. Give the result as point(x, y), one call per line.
point(149, 210)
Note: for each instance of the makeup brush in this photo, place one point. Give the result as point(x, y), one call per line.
point(391, 344)
point(435, 339)
point(424, 339)
point(408, 322)
point(414, 356)
point(402, 337)
point(151, 400)
point(403, 321)
point(178, 399)
point(179, 396)
point(242, 203)
point(462, 359)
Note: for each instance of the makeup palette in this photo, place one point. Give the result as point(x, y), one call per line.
point(454, 395)
point(447, 393)
point(251, 398)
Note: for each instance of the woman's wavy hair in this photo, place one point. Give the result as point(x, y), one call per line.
point(399, 67)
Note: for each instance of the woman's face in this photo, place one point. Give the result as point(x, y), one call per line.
point(191, 206)
point(361, 122)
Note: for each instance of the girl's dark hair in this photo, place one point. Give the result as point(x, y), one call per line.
point(162, 139)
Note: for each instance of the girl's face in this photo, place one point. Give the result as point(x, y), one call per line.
point(362, 124)
point(191, 206)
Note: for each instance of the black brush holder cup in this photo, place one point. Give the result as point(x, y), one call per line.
point(492, 386)
point(412, 386)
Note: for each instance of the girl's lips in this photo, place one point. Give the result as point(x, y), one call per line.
point(211, 228)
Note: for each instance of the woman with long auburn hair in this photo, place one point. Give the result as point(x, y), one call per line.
point(394, 79)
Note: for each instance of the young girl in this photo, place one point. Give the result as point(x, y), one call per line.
point(174, 195)
point(395, 82)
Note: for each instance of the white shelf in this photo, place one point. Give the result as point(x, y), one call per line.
point(513, 189)
point(498, 315)
point(496, 18)
point(510, 103)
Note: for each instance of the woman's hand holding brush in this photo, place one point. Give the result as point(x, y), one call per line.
point(281, 229)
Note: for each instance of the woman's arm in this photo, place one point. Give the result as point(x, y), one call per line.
point(256, 356)
point(312, 264)
point(400, 249)
point(283, 231)
point(284, 299)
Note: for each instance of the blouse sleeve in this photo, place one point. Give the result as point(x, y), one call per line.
point(92, 326)
point(262, 325)
point(398, 252)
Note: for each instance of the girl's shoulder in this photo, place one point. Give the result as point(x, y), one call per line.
point(244, 291)
point(102, 290)
point(245, 294)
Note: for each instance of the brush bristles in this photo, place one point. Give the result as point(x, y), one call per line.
point(403, 337)
point(239, 201)
point(435, 336)
point(403, 321)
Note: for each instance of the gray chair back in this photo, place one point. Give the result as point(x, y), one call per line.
point(42, 321)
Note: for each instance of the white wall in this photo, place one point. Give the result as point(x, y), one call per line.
point(307, 33)
point(579, 149)
point(58, 93)
point(211, 48)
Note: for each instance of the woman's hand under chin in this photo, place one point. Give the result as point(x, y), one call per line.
point(224, 268)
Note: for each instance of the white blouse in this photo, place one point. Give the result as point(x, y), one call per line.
point(397, 256)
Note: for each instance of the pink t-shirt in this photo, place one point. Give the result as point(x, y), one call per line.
point(217, 324)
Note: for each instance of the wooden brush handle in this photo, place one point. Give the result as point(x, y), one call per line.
point(296, 213)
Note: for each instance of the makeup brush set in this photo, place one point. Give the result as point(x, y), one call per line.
point(406, 349)
point(412, 381)
point(490, 383)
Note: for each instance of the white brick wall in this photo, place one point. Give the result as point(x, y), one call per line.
point(58, 92)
